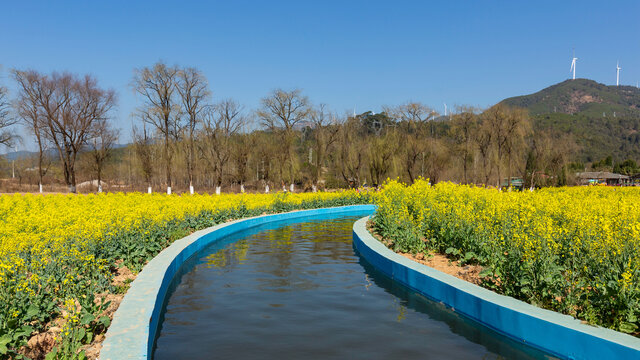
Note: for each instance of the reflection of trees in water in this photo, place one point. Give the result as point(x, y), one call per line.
point(233, 254)
point(293, 251)
point(401, 308)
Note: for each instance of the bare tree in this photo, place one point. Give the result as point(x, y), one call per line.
point(411, 113)
point(484, 140)
point(6, 119)
point(142, 143)
point(438, 155)
point(463, 128)
point(325, 133)
point(413, 118)
point(101, 149)
point(242, 146)
point(192, 86)
point(518, 127)
point(72, 107)
point(547, 159)
point(351, 154)
point(381, 153)
point(508, 127)
point(221, 122)
point(160, 109)
point(28, 109)
point(281, 111)
point(495, 118)
point(265, 152)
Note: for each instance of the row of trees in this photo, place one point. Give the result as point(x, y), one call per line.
point(181, 134)
point(67, 112)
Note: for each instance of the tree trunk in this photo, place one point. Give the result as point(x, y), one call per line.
point(499, 173)
point(99, 179)
point(168, 161)
point(72, 187)
point(190, 164)
point(464, 168)
point(486, 171)
point(40, 174)
point(509, 170)
point(319, 161)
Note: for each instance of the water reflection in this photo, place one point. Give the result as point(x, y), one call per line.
point(293, 290)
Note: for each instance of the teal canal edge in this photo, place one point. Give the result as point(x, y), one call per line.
point(135, 324)
point(552, 332)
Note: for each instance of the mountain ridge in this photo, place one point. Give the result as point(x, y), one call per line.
point(582, 96)
point(604, 120)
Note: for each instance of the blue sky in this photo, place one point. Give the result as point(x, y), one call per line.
point(343, 53)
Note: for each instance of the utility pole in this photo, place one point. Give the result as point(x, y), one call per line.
point(13, 163)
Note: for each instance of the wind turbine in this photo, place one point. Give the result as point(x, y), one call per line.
point(618, 68)
point(573, 65)
point(445, 109)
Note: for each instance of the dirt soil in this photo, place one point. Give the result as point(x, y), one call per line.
point(440, 262)
point(470, 273)
point(123, 277)
point(40, 344)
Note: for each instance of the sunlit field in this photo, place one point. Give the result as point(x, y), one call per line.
point(573, 250)
point(60, 253)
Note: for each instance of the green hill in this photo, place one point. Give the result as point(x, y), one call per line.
point(581, 96)
point(604, 120)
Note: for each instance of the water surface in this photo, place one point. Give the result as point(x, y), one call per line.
point(298, 290)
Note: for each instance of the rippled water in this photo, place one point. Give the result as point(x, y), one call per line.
point(300, 291)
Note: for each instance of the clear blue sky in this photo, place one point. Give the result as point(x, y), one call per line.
point(343, 53)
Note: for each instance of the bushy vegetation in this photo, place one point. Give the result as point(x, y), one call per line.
point(603, 120)
point(582, 96)
point(571, 250)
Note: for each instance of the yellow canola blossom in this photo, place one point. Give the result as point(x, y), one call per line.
point(574, 250)
point(37, 223)
point(58, 253)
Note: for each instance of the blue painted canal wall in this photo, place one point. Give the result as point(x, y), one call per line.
point(133, 330)
point(558, 334)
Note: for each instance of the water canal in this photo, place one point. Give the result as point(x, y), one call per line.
point(292, 290)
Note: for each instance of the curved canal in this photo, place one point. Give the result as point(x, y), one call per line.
point(298, 290)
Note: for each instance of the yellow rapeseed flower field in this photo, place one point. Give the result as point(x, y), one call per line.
point(574, 250)
point(57, 250)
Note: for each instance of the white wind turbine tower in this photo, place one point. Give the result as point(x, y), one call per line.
point(618, 68)
point(573, 66)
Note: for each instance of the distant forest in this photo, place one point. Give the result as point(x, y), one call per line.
point(186, 139)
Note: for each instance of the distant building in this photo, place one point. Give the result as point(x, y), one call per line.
point(635, 179)
point(516, 183)
point(603, 178)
